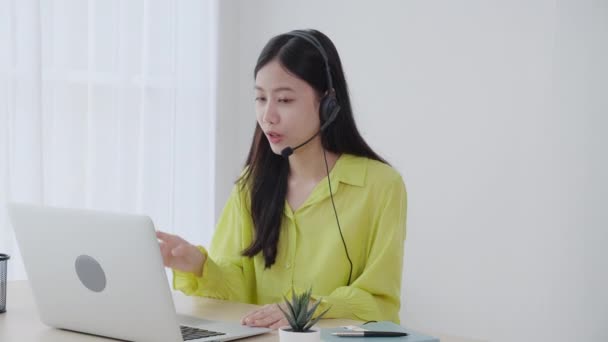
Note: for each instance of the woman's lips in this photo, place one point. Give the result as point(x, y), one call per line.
point(274, 138)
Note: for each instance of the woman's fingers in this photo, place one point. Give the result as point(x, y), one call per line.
point(281, 323)
point(162, 235)
point(165, 252)
point(180, 250)
point(172, 248)
point(254, 315)
point(247, 319)
point(169, 239)
point(266, 316)
point(179, 254)
point(270, 319)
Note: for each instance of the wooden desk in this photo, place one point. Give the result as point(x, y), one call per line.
point(21, 322)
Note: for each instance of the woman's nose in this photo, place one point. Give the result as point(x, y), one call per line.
point(270, 114)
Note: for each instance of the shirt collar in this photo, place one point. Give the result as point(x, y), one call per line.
point(350, 169)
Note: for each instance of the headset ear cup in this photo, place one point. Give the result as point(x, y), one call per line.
point(327, 107)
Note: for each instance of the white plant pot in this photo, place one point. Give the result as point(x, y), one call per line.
point(312, 335)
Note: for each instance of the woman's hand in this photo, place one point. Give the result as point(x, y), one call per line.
point(179, 254)
point(268, 316)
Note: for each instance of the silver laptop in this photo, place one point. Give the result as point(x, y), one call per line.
point(101, 273)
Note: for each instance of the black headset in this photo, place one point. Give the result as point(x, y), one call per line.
point(328, 109)
point(329, 106)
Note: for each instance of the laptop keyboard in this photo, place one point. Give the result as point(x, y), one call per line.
point(190, 333)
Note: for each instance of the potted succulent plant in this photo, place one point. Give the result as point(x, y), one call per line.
point(300, 318)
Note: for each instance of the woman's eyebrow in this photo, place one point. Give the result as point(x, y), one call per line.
point(275, 89)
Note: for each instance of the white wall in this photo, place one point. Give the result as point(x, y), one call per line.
point(495, 113)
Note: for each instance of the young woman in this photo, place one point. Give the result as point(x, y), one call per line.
point(282, 226)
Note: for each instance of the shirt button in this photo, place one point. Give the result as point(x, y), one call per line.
point(288, 265)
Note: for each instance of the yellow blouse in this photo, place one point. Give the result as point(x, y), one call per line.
point(371, 202)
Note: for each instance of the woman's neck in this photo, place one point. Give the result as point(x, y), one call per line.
point(307, 163)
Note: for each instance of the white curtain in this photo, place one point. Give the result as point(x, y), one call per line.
point(109, 104)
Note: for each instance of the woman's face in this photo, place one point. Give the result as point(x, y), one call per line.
point(286, 107)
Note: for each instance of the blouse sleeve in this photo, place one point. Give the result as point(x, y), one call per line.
point(226, 273)
point(375, 294)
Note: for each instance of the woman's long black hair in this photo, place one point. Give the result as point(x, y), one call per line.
point(266, 173)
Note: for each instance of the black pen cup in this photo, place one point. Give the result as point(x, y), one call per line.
point(3, 281)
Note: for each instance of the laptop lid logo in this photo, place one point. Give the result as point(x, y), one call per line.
point(90, 273)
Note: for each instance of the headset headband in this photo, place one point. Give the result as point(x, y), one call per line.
point(309, 37)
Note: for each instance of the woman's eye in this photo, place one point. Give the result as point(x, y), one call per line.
point(285, 100)
point(260, 99)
